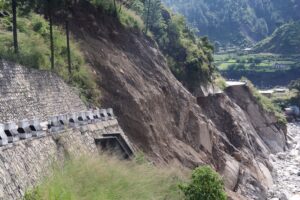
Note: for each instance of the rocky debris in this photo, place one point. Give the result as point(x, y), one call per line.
point(286, 168)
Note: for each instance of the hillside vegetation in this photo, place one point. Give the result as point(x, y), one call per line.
point(34, 51)
point(239, 22)
point(189, 57)
point(284, 40)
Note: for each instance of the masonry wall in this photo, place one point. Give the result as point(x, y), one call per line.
point(30, 93)
point(34, 94)
point(23, 164)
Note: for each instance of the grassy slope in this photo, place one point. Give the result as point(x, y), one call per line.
point(106, 178)
point(35, 52)
point(284, 40)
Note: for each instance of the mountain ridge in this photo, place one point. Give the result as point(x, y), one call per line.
point(284, 40)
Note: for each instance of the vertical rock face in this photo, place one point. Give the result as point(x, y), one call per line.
point(265, 124)
point(166, 121)
point(29, 93)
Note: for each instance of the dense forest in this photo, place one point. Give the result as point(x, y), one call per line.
point(238, 22)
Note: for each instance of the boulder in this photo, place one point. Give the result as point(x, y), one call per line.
point(231, 172)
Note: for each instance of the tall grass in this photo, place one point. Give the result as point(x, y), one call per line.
point(106, 178)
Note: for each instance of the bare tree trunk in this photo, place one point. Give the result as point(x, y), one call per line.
point(68, 49)
point(51, 36)
point(115, 9)
point(147, 16)
point(15, 31)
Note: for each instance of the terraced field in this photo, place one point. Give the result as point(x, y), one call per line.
point(264, 70)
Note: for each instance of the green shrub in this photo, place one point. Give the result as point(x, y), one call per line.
point(127, 17)
point(33, 194)
point(106, 5)
point(220, 82)
point(206, 184)
point(130, 19)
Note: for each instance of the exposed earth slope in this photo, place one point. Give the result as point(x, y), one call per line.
point(166, 121)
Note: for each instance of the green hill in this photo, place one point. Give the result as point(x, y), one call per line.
point(238, 22)
point(284, 40)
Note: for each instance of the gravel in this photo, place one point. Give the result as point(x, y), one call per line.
point(287, 168)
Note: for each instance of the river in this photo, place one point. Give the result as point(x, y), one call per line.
point(287, 168)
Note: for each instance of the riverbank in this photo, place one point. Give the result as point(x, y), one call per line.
point(287, 168)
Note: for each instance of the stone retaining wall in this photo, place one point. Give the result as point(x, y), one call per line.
point(25, 162)
point(30, 93)
point(43, 120)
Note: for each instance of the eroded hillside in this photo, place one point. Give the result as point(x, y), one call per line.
point(166, 121)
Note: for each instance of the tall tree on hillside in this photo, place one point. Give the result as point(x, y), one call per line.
point(67, 16)
point(68, 48)
point(155, 18)
point(115, 9)
point(50, 13)
point(147, 16)
point(48, 7)
point(15, 31)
